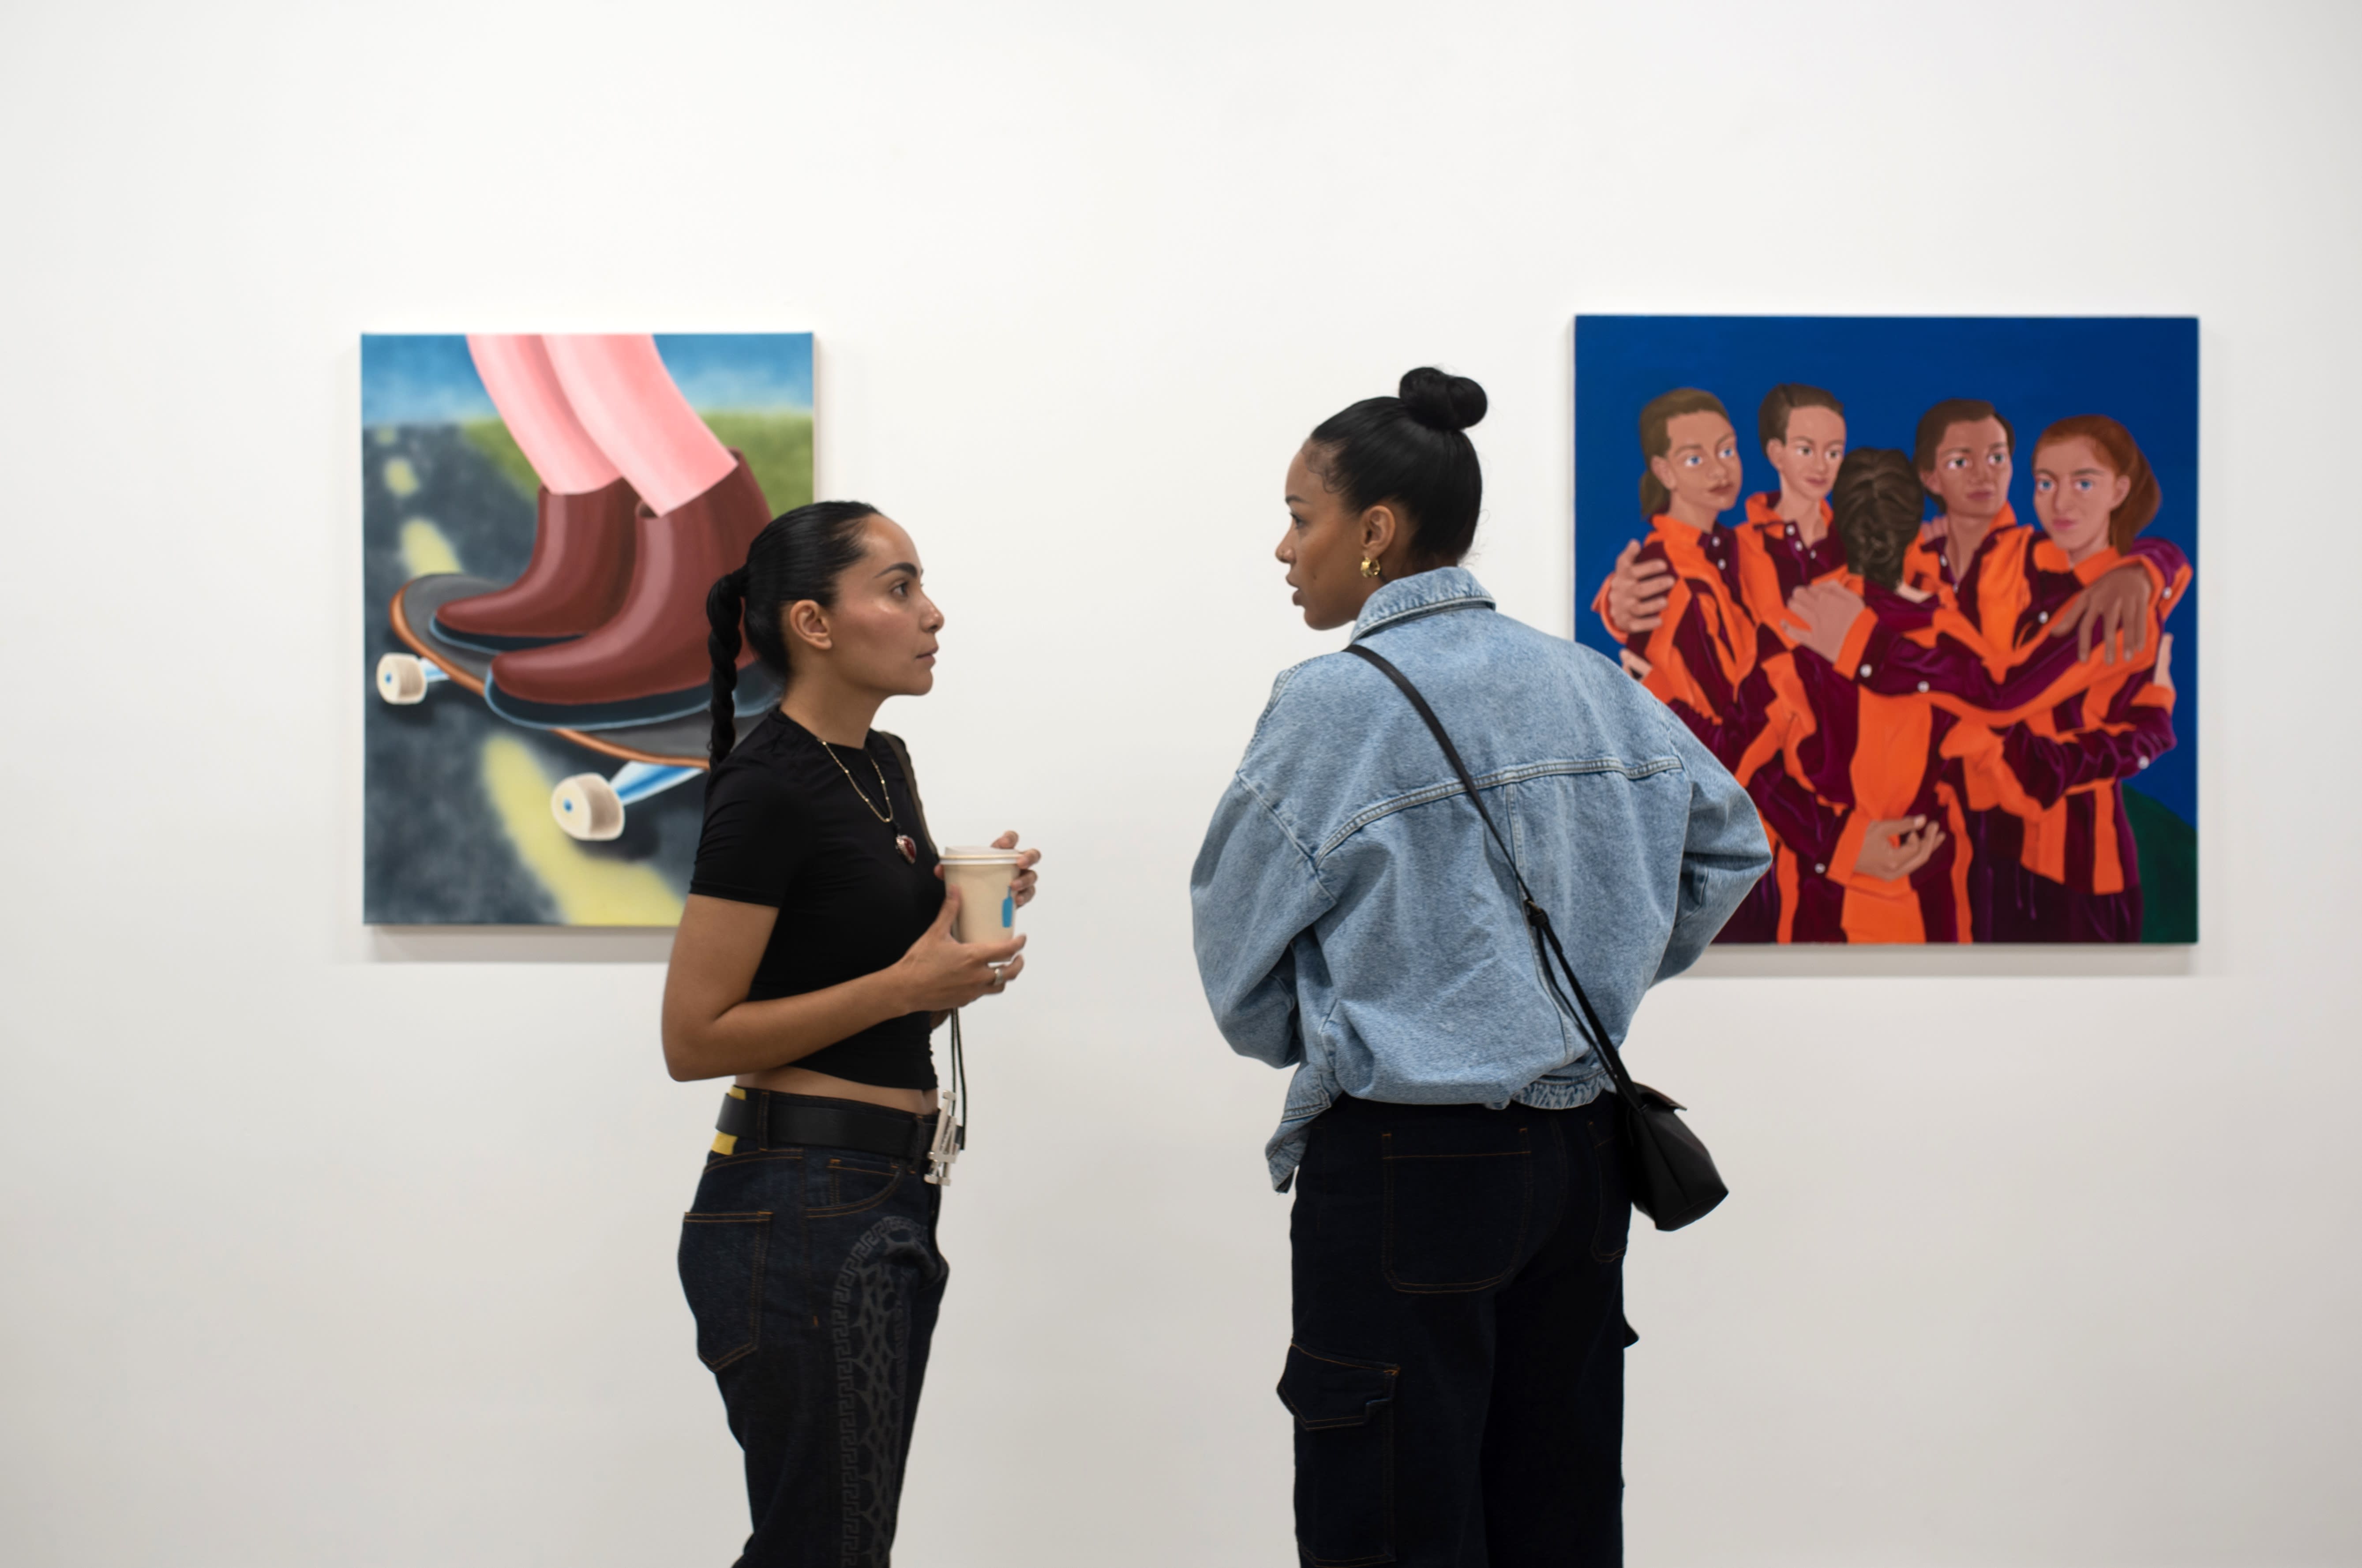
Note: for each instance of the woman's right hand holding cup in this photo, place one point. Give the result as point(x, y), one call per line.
point(938, 974)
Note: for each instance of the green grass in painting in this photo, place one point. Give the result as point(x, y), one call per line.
point(778, 447)
point(2169, 869)
point(491, 437)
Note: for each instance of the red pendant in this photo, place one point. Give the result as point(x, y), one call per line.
point(903, 842)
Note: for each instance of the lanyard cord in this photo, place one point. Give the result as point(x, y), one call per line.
point(951, 1115)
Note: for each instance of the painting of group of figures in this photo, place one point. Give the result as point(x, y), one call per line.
point(1923, 585)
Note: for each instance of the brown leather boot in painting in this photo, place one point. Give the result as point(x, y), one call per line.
point(581, 567)
point(648, 663)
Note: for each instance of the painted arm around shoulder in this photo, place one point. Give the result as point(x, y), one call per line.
point(1809, 826)
point(1728, 738)
point(2049, 769)
point(1633, 600)
point(1952, 665)
point(2114, 611)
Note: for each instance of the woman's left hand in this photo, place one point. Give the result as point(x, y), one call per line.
point(1027, 878)
point(2112, 610)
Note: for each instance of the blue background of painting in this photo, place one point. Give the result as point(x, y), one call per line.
point(430, 379)
point(1887, 370)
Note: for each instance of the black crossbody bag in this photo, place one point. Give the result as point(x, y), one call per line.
point(1671, 1176)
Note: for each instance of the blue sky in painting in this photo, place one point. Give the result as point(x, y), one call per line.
point(428, 378)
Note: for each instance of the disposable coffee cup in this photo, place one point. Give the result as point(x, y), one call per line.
point(988, 909)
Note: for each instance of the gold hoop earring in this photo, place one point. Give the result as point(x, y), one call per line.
point(1372, 569)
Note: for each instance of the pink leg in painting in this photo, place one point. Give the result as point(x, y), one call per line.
point(517, 370)
point(585, 532)
point(701, 508)
point(625, 399)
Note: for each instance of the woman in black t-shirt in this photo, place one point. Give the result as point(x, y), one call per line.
point(813, 960)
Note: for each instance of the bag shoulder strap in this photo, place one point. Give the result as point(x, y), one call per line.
point(1536, 917)
point(910, 781)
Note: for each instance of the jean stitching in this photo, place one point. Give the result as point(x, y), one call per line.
point(837, 1202)
point(716, 1162)
point(838, 1211)
point(1383, 1421)
point(1633, 771)
point(1525, 1217)
point(1597, 1145)
point(1388, 1367)
point(1385, 1552)
point(762, 1218)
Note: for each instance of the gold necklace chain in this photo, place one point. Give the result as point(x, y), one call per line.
point(887, 795)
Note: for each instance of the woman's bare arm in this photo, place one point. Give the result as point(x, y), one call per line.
point(712, 1030)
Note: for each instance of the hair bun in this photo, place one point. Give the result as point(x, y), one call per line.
point(1440, 401)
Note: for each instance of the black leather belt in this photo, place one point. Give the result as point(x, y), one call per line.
point(767, 1120)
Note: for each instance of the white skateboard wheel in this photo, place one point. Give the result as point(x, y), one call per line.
point(586, 807)
point(402, 679)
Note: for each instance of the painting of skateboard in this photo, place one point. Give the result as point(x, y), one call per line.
point(590, 807)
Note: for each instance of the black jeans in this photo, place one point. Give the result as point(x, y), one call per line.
point(815, 1279)
point(1457, 1373)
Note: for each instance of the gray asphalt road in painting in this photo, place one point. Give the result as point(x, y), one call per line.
point(435, 852)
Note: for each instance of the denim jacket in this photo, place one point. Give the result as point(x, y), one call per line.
point(1354, 920)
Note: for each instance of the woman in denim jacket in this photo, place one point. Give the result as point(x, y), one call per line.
point(1456, 1369)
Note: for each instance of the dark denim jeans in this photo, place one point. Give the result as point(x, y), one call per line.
point(815, 1279)
point(1457, 1373)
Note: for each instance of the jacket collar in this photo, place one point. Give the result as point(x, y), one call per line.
point(1421, 593)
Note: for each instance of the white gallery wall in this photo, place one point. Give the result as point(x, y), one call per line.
point(330, 1246)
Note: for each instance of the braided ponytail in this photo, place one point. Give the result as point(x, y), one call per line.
point(725, 605)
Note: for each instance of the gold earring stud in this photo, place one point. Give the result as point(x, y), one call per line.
point(1370, 567)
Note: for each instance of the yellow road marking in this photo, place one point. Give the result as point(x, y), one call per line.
point(589, 889)
point(424, 550)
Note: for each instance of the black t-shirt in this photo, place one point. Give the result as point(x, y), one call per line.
point(784, 827)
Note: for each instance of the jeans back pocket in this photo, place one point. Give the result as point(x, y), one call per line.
point(1459, 1196)
point(722, 1273)
point(1345, 1457)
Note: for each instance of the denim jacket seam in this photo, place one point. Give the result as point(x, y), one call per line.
point(1418, 611)
point(1380, 810)
point(1452, 587)
point(1289, 1119)
point(1311, 864)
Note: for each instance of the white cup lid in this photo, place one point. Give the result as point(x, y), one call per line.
point(981, 855)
